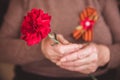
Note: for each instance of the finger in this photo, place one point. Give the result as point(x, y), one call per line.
point(77, 55)
point(67, 49)
point(62, 40)
point(54, 60)
point(80, 62)
point(86, 69)
point(48, 41)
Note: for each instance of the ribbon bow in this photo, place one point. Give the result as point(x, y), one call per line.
point(88, 18)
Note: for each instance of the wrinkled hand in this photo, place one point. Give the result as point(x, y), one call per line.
point(86, 60)
point(54, 53)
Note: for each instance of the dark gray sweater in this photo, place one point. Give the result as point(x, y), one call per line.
point(65, 17)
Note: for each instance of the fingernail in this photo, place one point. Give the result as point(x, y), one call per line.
point(63, 60)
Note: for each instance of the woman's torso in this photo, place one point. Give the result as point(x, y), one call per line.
point(65, 17)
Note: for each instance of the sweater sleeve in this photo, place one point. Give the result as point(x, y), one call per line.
point(12, 49)
point(112, 18)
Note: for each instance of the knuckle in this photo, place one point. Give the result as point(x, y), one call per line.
point(82, 54)
point(60, 49)
point(93, 68)
point(94, 61)
point(75, 64)
point(94, 58)
point(69, 68)
point(78, 55)
point(88, 72)
point(59, 35)
point(93, 48)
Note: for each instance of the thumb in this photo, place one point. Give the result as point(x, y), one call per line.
point(61, 39)
point(66, 49)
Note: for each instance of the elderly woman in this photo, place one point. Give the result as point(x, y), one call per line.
point(69, 59)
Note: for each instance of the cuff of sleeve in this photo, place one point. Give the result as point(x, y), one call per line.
point(114, 56)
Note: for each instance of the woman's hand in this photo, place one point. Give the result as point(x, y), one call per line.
point(54, 53)
point(86, 60)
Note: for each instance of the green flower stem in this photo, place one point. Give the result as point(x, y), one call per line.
point(53, 37)
point(93, 77)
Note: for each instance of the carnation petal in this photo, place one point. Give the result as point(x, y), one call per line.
point(35, 26)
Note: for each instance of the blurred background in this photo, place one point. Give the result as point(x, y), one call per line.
point(6, 70)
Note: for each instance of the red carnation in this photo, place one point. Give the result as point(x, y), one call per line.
point(35, 26)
